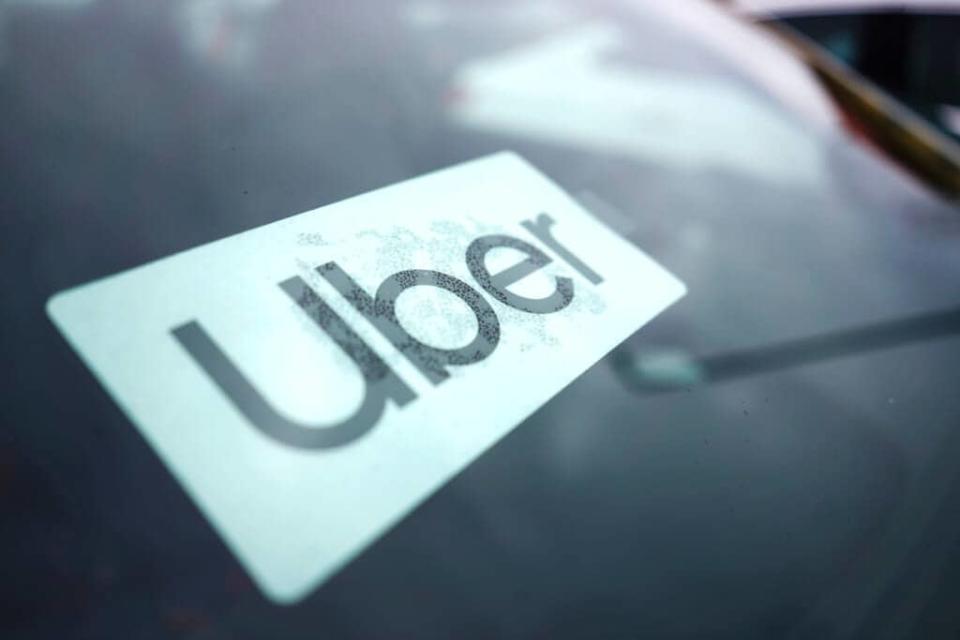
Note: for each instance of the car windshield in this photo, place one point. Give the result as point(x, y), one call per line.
point(773, 456)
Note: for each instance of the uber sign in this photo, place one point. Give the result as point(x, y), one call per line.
point(311, 381)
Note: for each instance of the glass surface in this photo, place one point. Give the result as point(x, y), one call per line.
point(774, 456)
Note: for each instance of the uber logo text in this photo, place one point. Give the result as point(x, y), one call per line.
point(381, 382)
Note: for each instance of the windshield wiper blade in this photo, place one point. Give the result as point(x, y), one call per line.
point(671, 370)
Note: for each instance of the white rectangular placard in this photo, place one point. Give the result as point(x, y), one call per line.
point(310, 382)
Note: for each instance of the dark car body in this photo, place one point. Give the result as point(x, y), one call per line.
point(908, 47)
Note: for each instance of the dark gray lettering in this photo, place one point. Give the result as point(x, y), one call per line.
point(496, 285)
point(381, 313)
point(380, 382)
point(540, 228)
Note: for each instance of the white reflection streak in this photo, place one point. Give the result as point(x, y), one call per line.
point(562, 90)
